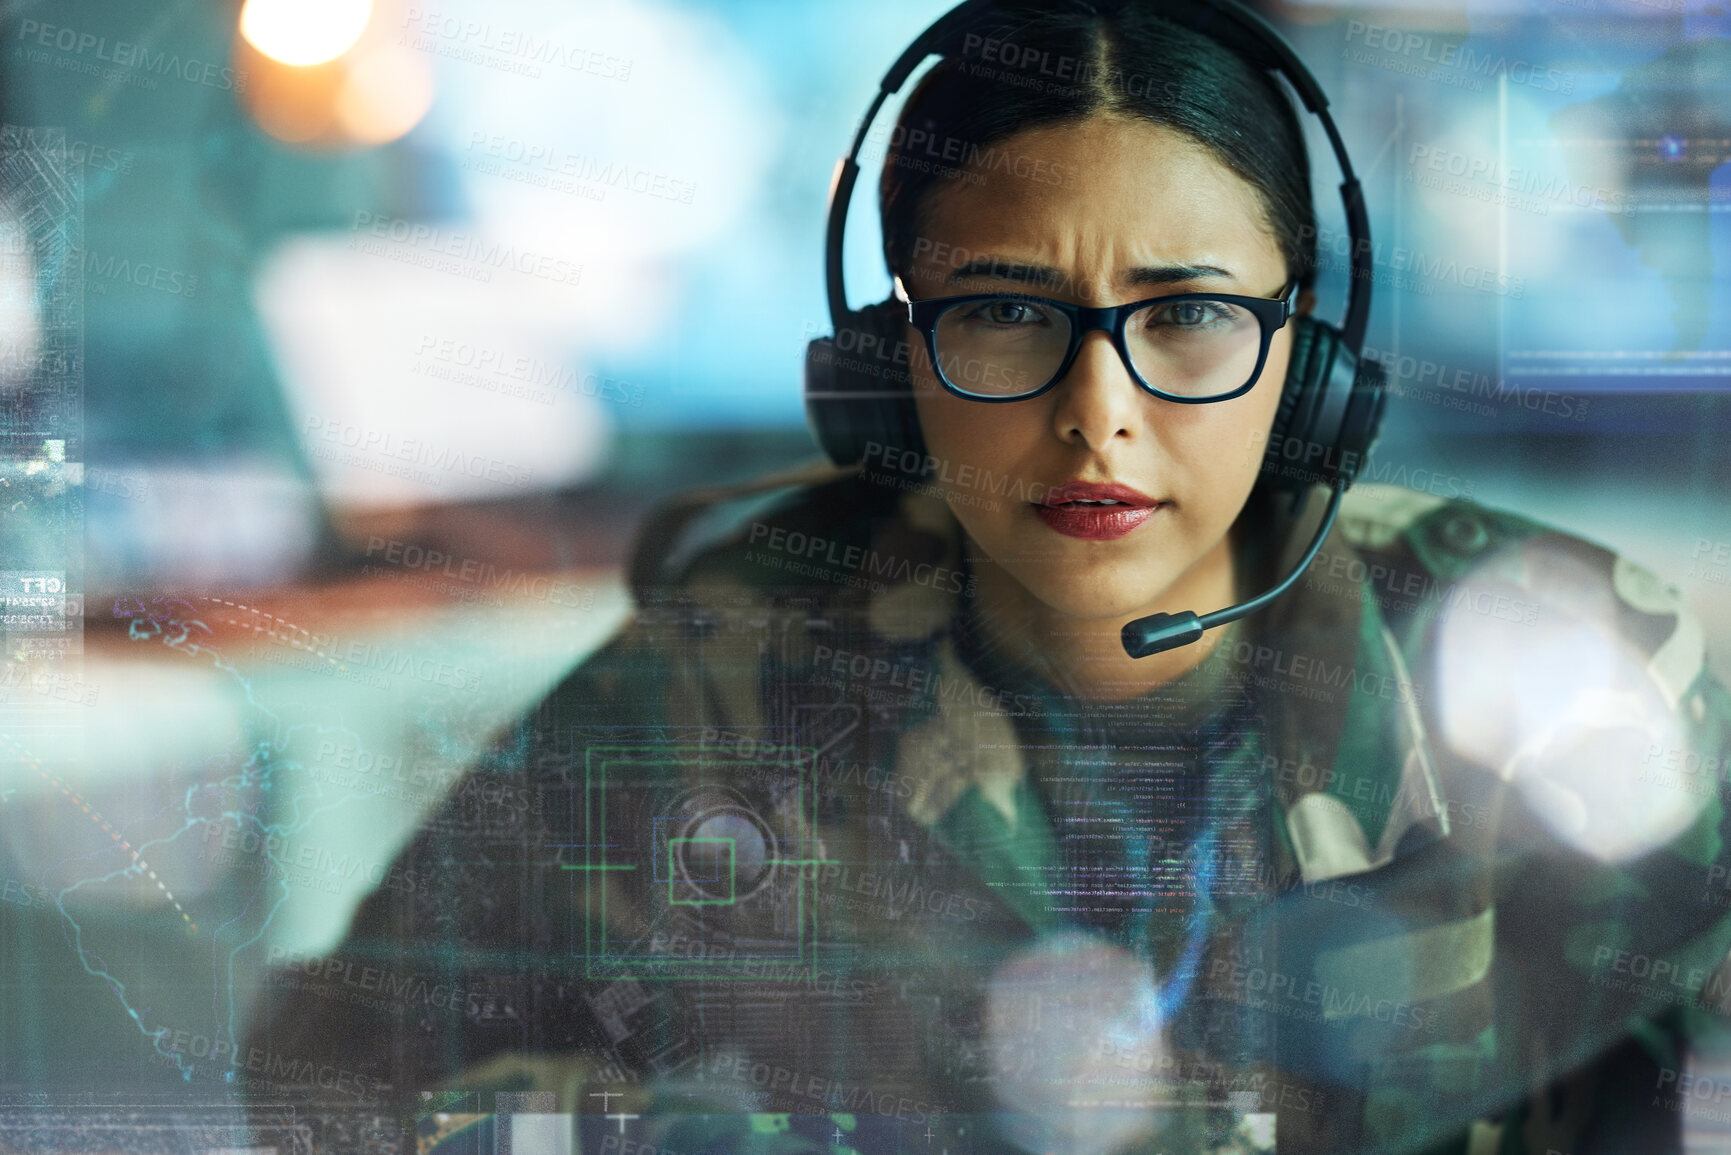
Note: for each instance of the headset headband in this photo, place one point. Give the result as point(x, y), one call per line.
point(1195, 14)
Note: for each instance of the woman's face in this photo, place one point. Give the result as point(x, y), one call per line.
point(1137, 210)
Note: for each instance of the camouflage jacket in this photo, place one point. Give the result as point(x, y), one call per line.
point(778, 869)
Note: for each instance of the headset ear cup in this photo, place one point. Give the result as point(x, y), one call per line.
point(1329, 412)
point(1363, 420)
point(858, 390)
point(821, 416)
point(1288, 437)
point(896, 418)
point(1297, 375)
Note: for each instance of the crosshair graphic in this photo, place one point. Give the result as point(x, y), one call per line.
point(707, 846)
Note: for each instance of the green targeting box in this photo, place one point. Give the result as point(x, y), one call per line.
point(672, 950)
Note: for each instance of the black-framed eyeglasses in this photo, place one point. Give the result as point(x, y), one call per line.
point(1191, 348)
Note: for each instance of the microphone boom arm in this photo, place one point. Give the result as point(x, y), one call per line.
point(1157, 633)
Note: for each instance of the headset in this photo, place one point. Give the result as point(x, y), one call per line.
point(858, 389)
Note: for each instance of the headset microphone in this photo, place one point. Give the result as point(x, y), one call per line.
point(1158, 633)
point(858, 392)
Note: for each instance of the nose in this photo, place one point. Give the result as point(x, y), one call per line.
point(1098, 401)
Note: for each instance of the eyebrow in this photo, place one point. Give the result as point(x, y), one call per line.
point(1045, 276)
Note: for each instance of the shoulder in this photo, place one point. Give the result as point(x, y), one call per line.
point(787, 530)
point(1432, 560)
point(1563, 667)
point(1442, 535)
point(727, 583)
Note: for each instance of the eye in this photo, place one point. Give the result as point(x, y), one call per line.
point(1189, 314)
point(1008, 312)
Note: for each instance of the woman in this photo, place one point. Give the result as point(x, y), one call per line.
point(868, 834)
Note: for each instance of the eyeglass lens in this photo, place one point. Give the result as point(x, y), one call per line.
point(1005, 346)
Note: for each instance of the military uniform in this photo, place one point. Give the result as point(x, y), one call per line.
point(799, 862)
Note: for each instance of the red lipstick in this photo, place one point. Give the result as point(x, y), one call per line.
point(1095, 512)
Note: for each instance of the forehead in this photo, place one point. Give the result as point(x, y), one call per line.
point(1099, 198)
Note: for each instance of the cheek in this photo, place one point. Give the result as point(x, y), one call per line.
point(1240, 437)
point(967, 432)
point(1225, 443)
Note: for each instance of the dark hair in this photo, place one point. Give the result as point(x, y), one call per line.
point(1026, 68)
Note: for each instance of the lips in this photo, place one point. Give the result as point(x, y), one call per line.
point(1095, 512)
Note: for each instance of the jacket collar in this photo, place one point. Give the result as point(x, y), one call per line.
point(1345, 740)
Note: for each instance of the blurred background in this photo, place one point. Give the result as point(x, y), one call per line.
point(343, 343)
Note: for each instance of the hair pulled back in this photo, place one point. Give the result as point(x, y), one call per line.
point(1026, 67)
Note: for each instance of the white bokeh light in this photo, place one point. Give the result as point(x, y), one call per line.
point(1563, 707)
point(1064, 1018)
point(628, 174)
point(19, 322)
point(304, 32)
point(383, 363)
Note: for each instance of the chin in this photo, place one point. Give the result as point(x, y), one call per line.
point(1118, 591)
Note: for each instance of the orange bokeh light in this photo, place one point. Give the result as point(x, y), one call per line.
point(371, 92)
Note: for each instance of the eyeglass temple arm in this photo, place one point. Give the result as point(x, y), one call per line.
point(899, 291)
